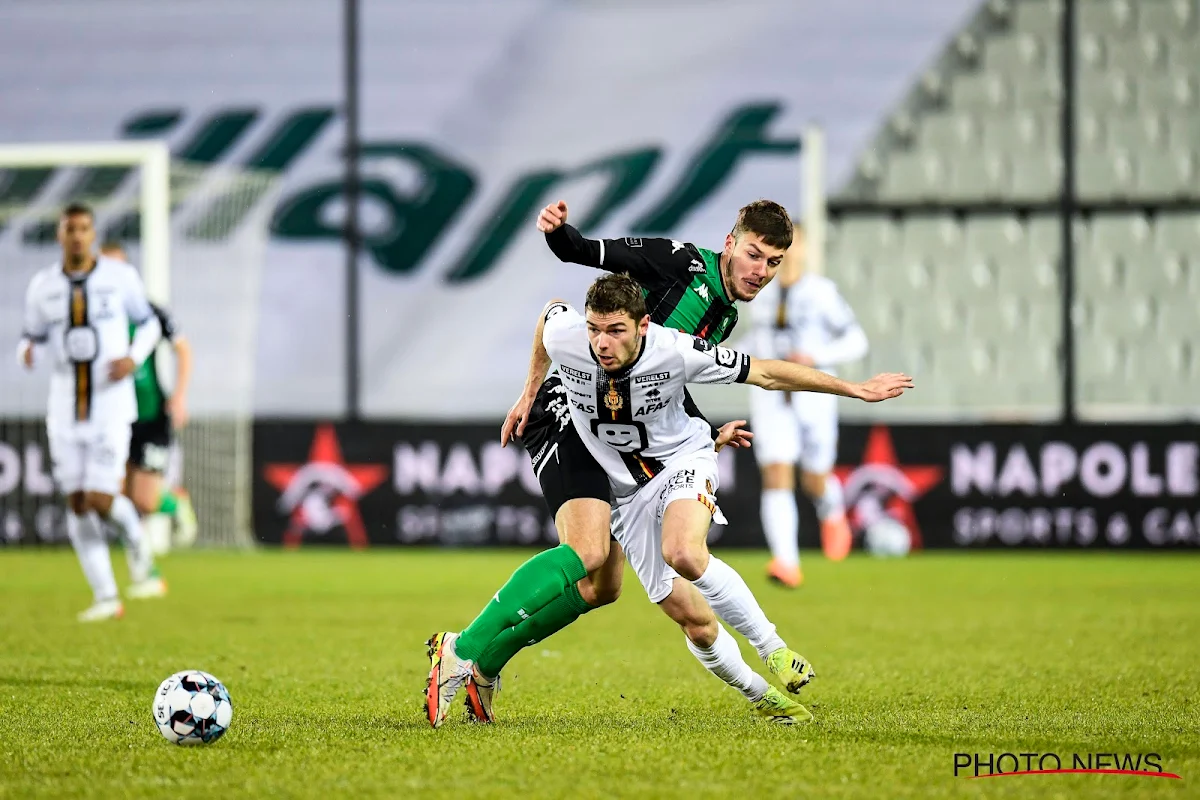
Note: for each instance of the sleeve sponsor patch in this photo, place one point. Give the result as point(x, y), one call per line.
point(633, 242)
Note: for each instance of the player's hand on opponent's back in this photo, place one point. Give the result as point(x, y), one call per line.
point(518, 416)
point(883, 387)
point(733, 434)
point(121, 368)
point(553, 217)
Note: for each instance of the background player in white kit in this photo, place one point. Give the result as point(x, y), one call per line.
point(80, 310)
point(800, 317)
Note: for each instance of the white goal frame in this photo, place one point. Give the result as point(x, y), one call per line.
point(153, 157)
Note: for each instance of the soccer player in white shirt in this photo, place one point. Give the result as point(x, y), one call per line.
point(77, 316)
point(800, 317)
point(625, 379)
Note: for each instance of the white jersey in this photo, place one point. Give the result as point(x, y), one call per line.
point(633, 421)
point(84, 323)
point(810, 317)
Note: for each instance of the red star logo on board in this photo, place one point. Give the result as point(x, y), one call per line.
point(881, 484)
point(323, 494)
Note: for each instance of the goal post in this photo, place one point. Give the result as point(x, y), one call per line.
point(198, 233)
point(153, 158)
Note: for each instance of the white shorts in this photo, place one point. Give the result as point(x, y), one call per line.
point(637, 521)
point(794, 428)
point(89, 456)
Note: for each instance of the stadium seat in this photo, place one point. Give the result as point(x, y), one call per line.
point(1105, 90)
point(1037, 17)
point(1179, 233)
point(1137, 132)
point(980, 91)
point(1104, 176)
point(1166, 174)
point(1127, 236)
point(1110, 17)
point(949, 131)
point(1037, 178)
point(1172, 18)
point(1167, 91)
point(1183, 130)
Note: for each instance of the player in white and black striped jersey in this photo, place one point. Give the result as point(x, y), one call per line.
point(78, 313)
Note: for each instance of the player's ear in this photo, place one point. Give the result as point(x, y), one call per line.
point(730, 241)
point(643, 325)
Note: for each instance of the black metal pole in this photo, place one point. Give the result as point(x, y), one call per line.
point(352, 191)
point(1067, 208)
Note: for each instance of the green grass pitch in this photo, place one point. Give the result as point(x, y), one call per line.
point(323, 654)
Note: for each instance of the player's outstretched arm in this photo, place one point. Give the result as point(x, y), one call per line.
point(539, 365)
point(787, 377)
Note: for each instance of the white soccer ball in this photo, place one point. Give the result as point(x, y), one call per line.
point(887, 537)
point(192, 707)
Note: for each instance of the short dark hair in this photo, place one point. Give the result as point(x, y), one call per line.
point(77, 208)
point(767, 219)
point(612, 293)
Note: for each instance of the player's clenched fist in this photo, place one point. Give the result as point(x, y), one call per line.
point(552, 217)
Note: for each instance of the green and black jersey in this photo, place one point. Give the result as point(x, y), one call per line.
point(151, 396)
point(682, 282)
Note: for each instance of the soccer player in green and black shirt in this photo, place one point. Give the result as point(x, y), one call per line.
point(160, 412)
point(686, 287)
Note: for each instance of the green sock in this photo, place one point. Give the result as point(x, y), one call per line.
point(535, 583)
point(550, 619)
point(168, 503)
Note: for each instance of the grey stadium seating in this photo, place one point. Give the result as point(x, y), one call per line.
point(967, 300)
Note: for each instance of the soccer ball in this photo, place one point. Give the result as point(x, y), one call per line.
point(887, 537)
point(192, 707)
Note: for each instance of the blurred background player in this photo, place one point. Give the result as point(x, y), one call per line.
point(801, 317)
point(82, 308)
point(160, 412)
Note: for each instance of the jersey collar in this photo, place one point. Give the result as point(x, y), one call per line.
point(82, 275)
point(622, 373)
point(729, 298)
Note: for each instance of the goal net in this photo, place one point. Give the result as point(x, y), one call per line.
point(198, 232)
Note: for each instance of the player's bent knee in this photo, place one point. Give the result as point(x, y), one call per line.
point(100, 503)
point(779, 476)
point(702, 633)
point(583, 524)
point(603, 592)
point(689, 559)
point(77, 502)
point(813, 483)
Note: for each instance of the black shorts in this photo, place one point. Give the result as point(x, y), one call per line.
point(150, 444)
point(561, 461)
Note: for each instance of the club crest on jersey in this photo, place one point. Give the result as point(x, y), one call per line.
point(612, 400)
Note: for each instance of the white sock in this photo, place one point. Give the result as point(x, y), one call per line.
point(734, 603)
point(91, 548)
point(724, 660)
point(833, 502)
point(125, 519)
point(781, 524)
